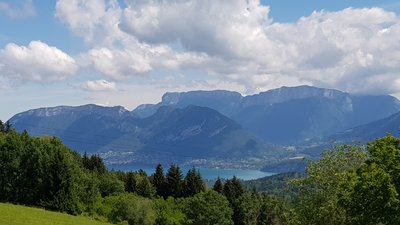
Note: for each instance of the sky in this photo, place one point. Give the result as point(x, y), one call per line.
point(116, 52)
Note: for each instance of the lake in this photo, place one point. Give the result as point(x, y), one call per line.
point(206, 173)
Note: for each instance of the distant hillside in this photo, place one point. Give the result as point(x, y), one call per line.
point(218, 128)
point(289, 114)
point(370, 131)
point(276, 185)
point(17, 215)
point(169, 135)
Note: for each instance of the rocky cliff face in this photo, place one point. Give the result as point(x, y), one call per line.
point(288, 114)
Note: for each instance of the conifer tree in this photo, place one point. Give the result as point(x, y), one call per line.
point(193, 183)
point(158, 181)
point(174, 180)
point(218, 187)
point(130, 184)
point(233, 189)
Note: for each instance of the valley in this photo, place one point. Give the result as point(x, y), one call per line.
point(273, 131)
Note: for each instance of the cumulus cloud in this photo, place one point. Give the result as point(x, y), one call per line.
point(355, 49)
point(19, 9)
point(36, 62)
point(100, 85)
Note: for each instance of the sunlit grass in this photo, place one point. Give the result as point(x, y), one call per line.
point(17, 215)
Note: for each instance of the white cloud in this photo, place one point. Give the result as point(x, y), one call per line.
point(37, 62)
point(100, 85)
point(19, 9)
point(355, 50)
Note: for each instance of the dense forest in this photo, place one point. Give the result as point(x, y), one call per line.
point(350, 184)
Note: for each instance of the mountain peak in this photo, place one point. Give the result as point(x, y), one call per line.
point(115, 111)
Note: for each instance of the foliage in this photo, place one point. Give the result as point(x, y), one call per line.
point(193, 183)
point(136, 210)
point(159, 182)
point(348, 185)
point(278, 185)
point(233, 189)
point(174, 181)
point(94, 163)
point(324, 186)
point(169, 212)
point(209, 208)
point(374, 190)
point(39, 171)
point(218, 186)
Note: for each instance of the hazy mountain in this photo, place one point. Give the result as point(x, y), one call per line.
point(171, 134)
point(84, 128)
point(225, 102)
point(370, 131)
point(219, 125)
point(289, 114)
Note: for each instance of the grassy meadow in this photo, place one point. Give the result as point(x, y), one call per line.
point(18, 215)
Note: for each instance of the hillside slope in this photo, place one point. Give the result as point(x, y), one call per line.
point(169, 135)
point(17, 215)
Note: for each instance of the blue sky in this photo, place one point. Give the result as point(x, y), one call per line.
point(109, 52)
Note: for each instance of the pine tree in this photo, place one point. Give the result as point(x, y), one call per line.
point(158, 181)
point(98, 164)
point(174, 180)
point(233, 189)
point(193, 183)
point(130, 184)
point(218, 187)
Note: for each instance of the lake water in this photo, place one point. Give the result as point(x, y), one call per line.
point(206, 173)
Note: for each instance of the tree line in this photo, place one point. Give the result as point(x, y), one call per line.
point(350, 184)
point(41, 171)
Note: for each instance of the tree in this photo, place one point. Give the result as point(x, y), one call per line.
point(321, 190)
point(218, 186)
point(169, 212)
point(233, 189)
point(130, 183)
point(247, 209)
point(374, 190)
point(209, 208)
point(1, 126)
point(193, 183)
point(373, 199)
point(159, 182)
point(94, 163)
point(129, 207)
point(110, 185)
point(62, 179)
point(143, 186)
point(174, 182)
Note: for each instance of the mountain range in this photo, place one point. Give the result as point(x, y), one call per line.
point(219, 128)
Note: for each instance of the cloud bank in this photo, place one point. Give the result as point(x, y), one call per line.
point(100, 85)
point(355, 49)
point(36, 62)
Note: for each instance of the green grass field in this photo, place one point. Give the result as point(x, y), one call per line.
point(17, 215)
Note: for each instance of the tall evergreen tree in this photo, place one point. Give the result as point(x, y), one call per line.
point(174, 180)
point(159, 182)
point(233, 189)
point(1, 127)
point(130, 183)
point(218, 187)
point(193, 183)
